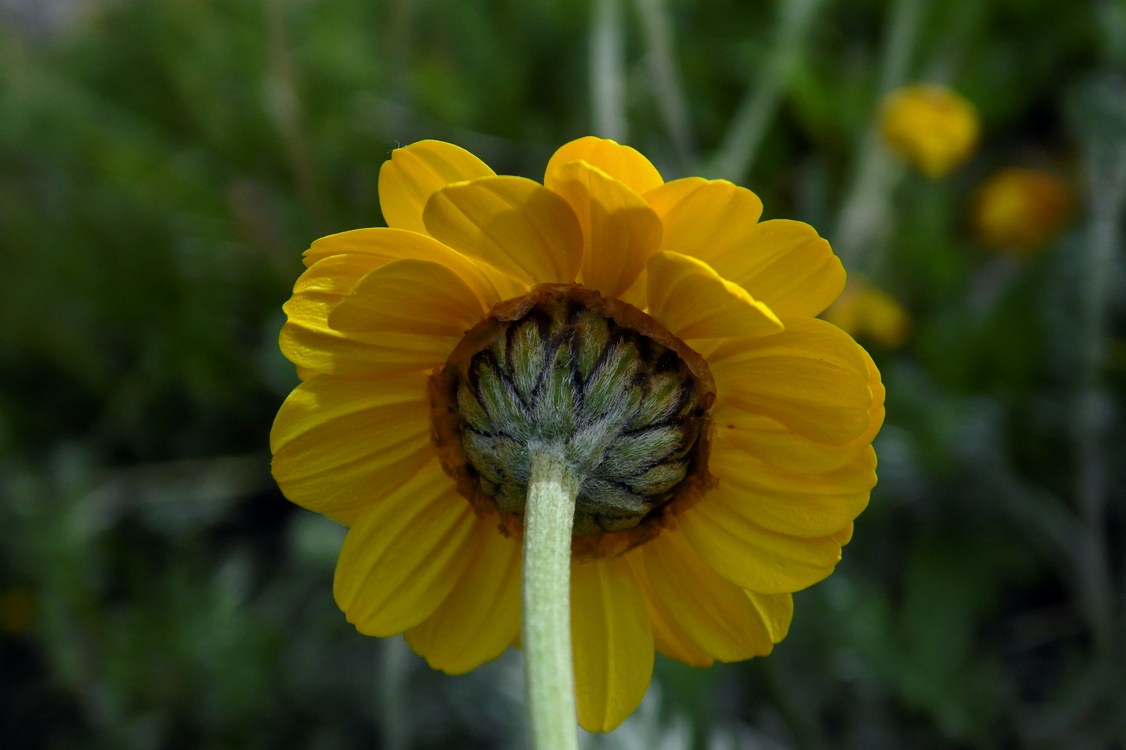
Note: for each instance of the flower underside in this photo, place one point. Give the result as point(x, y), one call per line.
point(595, 381)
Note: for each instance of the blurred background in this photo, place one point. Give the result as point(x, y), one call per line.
point(163, 164)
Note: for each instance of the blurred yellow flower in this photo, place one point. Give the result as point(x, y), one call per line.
point(1021, 209)
point(659, 333)
point(869, 313)
point(931, 126)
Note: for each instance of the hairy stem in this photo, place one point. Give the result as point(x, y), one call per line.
point(549, 683)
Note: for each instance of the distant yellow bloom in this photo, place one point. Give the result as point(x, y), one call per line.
point(869, 313)
point(657, 333)
point(1021, 209)
point(931, 126)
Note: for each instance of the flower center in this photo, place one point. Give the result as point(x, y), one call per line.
point(595, 381)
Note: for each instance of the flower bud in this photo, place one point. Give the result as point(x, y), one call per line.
point(931, 126)
point(1021, 209)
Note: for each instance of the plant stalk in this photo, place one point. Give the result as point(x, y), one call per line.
point(549, 682)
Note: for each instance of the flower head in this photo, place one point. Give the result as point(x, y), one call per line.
point(931, 126)
point(1021, 209)
point(657, 332)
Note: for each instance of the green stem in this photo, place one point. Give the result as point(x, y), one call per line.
point(866, 218)
point(752, 119)
point(658, 31)
point(607, 71)
point(1105, 156)
point(549, 683)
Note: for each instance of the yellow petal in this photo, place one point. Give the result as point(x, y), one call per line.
point(403, 555)
point(341, 444)
point(335, 276)
point(622, 163)
point(715, 615)
point(784, 264)
point(752, 557)
point(776, 611)
point(694, 302)
point(514, 224)
point(381, 246)
point(789, 266)
point(307, 340)
point(812, 378)
point(412, 296)
point(669, 638)
point(620, 231)
point(797, 504)
point(338, 263)
point(413, 174)
point(612, 640)
point(707, 219)
point(876, 411)
point(771, 441)
point(481, 616)
point(635, 294)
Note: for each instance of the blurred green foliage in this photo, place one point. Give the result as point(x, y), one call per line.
point(163, 164)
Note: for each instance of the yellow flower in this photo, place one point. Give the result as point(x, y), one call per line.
point(1021, 209)
point(931, 126)
point(723, 433)
point(872, 313)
